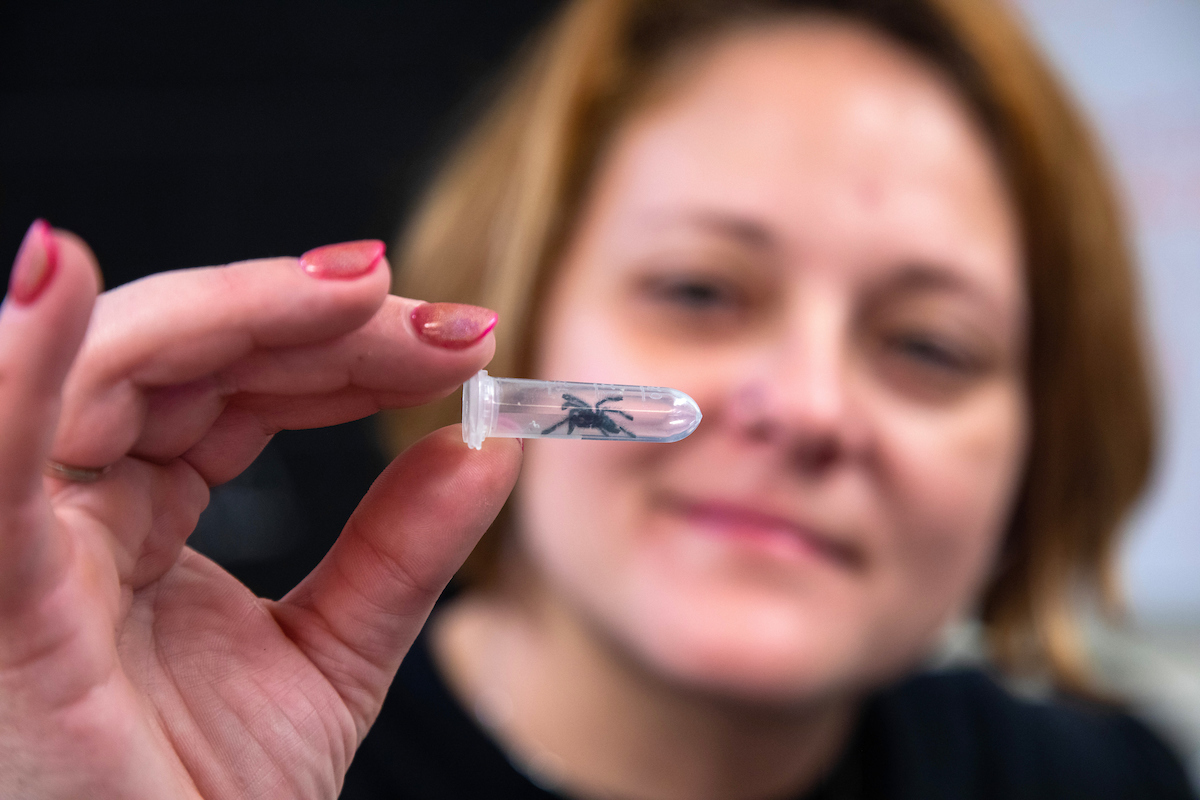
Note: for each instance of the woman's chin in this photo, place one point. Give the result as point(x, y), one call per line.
point(748, 649)
point(753, 673)
point(752, 627)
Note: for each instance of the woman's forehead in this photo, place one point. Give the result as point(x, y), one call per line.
point(818, 137)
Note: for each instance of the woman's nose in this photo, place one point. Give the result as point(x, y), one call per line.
point(796, 392)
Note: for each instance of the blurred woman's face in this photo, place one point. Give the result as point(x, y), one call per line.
point(809, 234)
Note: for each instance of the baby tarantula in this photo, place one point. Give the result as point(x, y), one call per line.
point(581, 415)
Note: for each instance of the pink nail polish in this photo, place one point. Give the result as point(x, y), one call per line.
point(343, 261)
point(35, 265)
point(452, 325)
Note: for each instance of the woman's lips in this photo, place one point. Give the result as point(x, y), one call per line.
point(775, 533)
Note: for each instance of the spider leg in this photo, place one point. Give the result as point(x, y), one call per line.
point(605, 400)
point(552, 427)
point(628, 433)
point(570, 424)
point(570, 400)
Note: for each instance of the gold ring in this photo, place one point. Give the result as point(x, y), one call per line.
point(78, 474)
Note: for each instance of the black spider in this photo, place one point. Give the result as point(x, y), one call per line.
point(581, 415)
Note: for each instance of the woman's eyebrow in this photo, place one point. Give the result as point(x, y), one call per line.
point(920, 278)
point(744, 230)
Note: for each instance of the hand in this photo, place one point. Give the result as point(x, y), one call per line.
point(131, 666)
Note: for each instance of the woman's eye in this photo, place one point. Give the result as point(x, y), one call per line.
point(696, 305)
point(929, 351)
point(694, 294)
point(928, 367)
point(697, 295)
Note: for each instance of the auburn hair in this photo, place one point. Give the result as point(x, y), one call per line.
point(495, 221)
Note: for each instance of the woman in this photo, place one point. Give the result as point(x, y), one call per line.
point(874, 242)
point(873, 246)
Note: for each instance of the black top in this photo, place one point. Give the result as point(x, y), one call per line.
point(953, 734)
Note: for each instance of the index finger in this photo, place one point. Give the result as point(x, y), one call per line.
point(385, 363)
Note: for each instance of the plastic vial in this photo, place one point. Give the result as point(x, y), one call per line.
point(515, 408)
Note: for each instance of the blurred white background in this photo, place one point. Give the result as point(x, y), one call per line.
point(1135, 67)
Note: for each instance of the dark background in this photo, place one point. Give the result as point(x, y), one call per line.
point(185, 134)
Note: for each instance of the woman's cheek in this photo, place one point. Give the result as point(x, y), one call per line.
point(949, 476)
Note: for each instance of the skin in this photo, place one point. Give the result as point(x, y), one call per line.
point(132, 667)
point(809, 234)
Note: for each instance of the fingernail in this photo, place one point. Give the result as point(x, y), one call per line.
point(452, 325)
point(35, 265)
point(343, 261)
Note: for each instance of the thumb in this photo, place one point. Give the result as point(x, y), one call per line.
point(360, 609)
point(45, 314)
